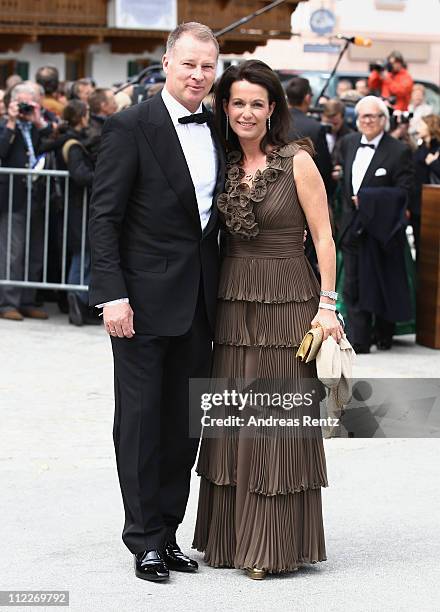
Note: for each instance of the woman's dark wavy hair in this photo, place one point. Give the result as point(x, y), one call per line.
point(259, 73)
point(73, 112)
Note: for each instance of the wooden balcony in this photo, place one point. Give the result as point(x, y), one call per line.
point(63, 26)
point(59, 12)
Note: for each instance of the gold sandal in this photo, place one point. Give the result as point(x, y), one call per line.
point(255, 573)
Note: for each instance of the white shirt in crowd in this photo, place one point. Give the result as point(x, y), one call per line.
point(199, 151)
point(331, 141)
point(362, 160)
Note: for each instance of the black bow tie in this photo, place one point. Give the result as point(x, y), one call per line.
point(362, 144)
point(195, 118)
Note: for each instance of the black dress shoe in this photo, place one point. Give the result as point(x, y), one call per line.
point(150, 565)
point(361, 349)
point(76, 310)
point(177, 561)
point(384, 344)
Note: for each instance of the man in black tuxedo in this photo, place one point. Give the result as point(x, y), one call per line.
point(299, 97)
point(154, 248)
point(369, 159)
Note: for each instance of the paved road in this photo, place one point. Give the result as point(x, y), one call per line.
point(62, 514)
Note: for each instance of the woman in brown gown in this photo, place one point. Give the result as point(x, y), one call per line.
point(260, 496)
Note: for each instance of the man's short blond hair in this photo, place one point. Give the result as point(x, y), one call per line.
point(198, 30)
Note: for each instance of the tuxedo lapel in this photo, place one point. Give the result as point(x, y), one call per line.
point(157, 127)
point(221, 160)
point(220, 180)
point(378, 158)
point(351, 154)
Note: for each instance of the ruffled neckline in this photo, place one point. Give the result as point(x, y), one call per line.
point(238, 200)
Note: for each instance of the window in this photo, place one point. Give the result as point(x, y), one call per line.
point(135, 66)
point(10, 66)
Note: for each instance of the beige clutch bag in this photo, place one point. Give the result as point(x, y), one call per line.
point(310, 345)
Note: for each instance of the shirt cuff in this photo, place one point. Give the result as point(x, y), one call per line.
point(120, 301)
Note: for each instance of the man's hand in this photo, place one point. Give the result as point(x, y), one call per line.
point(36, 117)
point(118, 320)
point(337, 172)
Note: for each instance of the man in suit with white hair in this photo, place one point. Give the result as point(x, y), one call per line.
point(369, 160)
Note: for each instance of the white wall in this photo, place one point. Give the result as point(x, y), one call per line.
point(31, 53)
point(109, 68)
point(419, 17)
point(106, 68)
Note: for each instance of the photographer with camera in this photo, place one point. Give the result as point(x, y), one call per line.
point(392, 81)
point(333, 118)
point(20, 142)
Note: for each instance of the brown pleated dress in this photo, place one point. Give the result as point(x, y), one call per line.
point(260, 496)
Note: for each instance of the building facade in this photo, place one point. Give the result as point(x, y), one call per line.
point(111, 40)
point(410, 26)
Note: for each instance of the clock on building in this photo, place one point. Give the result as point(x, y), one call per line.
point(322, 21)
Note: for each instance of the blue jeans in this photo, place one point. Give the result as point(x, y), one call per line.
point(74, 276)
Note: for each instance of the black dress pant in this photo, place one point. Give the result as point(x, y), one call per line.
point(359, 322)
point(154, 452)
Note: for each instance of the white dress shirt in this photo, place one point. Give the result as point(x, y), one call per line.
point(331, 141)
point(199, 151)
point(362, 160)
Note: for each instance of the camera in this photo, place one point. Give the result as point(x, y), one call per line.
point(399, 118)
point(25, 109)
point(379, 66)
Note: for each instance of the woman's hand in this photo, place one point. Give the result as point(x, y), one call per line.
point(431, 157)
point(330, 325)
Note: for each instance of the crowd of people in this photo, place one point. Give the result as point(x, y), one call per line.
point(48, 120)
point(63, 122)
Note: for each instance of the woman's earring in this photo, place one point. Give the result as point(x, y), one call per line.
point(227, 126)
point(268, 123)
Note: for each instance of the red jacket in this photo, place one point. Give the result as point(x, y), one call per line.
point(399, 84)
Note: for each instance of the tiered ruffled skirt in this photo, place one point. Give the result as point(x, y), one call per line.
point(260, 495)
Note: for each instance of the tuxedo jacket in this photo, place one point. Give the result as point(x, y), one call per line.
point(307, 127)
point(383, 287)
point(145, 234)
point(391, 166)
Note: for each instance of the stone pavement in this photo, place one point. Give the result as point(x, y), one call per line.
point(62, 513)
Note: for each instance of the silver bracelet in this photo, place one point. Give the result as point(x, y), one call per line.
point(327, 306)
point(330, 294)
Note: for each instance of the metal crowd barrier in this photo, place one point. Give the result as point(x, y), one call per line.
point(44, 284)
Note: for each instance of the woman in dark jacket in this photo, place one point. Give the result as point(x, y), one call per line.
point(72, 155)
point(427, 164)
